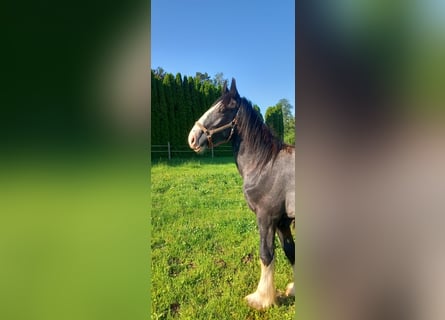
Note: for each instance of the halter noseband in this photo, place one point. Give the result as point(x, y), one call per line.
point(209, 133)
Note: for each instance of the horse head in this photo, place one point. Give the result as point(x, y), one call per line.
point(217, 124)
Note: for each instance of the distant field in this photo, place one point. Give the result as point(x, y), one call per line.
point(204, 243)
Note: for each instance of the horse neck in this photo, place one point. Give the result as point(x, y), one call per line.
point(250, 157)
point(243, 156)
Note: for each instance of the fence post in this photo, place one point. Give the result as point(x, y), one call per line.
point(169, 154)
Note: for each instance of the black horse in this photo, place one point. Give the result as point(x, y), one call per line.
point(267, 166)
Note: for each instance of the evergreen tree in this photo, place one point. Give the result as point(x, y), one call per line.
point(154, 110)
point(288, 121)
point(163, 115)
point(200, 99)
point(216, 92)
point(168, 84)
point(202, 77)
point(193, 98)
point(159, 73)
point(208, 94)
point(181, 115)
point(187, 104)
point(274, 120)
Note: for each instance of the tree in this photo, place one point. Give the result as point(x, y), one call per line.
point(288, 121)
point(154, 112)
point(168, 83)
point(218, 80)
point(180, 112)
point(274, 120)
point(193, 97)
point(286, 107)
point(187, 103)
point(200, 99)
point(159, 73)
point(202, 77)
point(162, 115)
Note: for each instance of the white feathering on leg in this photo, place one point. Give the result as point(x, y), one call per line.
point(265, 294)
point(290, 288)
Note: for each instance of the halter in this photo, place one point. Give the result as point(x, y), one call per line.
point(209, 133)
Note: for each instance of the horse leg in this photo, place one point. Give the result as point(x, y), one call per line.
point(288, 245)
point(290, 288)
point(265, 294)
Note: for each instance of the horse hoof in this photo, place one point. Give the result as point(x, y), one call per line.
point(260, 302)
point(290, 290)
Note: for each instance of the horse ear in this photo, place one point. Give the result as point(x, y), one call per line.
point(233, 90)
point(225, 90)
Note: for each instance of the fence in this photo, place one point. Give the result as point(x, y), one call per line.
point(168, 151)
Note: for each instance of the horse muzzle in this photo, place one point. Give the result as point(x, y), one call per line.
point(194, 139)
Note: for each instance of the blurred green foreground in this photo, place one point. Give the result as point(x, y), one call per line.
point(73, 238)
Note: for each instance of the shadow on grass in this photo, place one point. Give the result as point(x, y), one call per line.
point(195, 160)
point(283, 303)
point(283, 300)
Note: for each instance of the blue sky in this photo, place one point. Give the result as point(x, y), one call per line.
point(252, 41)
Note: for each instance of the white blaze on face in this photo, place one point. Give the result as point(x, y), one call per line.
point(196, 131)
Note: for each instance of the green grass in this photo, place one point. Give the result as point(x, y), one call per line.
point(204, 244)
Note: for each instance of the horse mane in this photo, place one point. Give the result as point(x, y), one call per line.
point(257, 135)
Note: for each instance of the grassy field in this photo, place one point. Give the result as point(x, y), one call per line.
point(204, 243)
